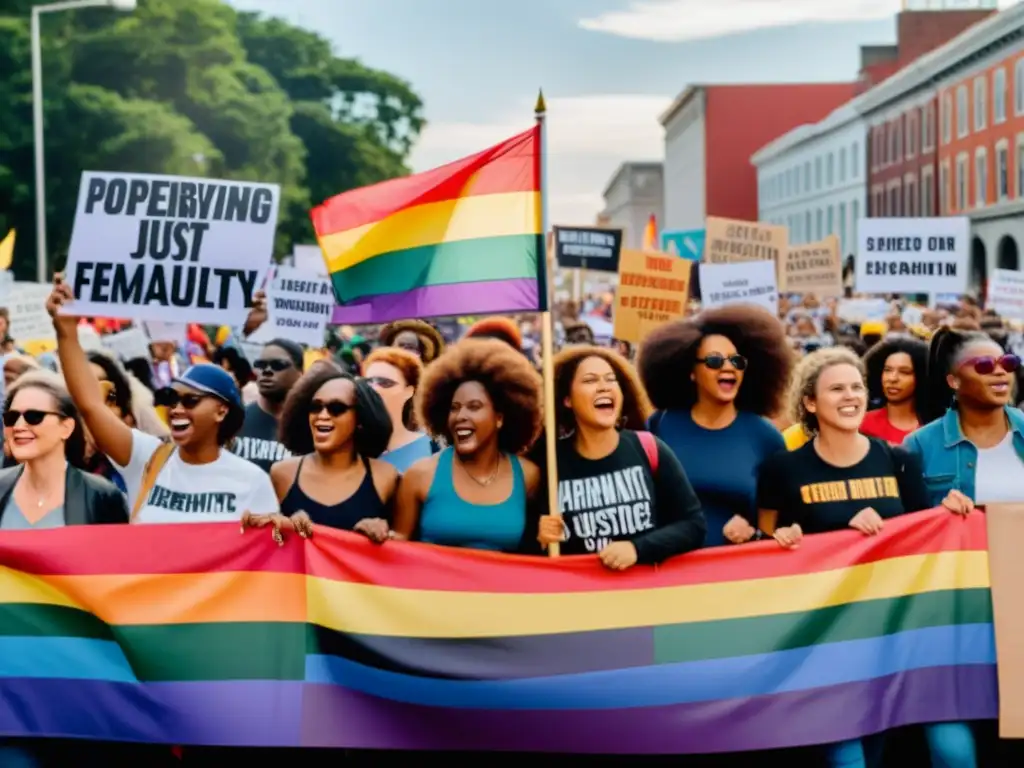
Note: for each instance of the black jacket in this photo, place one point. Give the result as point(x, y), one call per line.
point(88, 499)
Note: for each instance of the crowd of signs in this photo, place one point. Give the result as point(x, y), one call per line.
point(160, 250)
point(748, 262)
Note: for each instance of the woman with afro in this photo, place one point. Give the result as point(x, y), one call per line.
point(483, 399)
point(716, 378)
point(622, 493)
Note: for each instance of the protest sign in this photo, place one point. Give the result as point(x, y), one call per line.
point(89, 338)
point(1006, 293)
point(913, 255)
point(6, 284)
point(688, 243)
point(176, 333)
point(588, 248)
point(299, 306)
point(309, 258)
point(859, 310)
point(151, 247)
point(128, 345)
point(749, 282)
point(29, 319)
point(730, 240)
point(653, 289)
point(812, 268)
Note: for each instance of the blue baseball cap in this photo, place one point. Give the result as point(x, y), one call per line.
point(213, 380)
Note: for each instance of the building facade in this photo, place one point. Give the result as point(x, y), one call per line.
point(812, 179)
point(634, 193)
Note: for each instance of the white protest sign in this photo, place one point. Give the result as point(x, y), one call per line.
point(176, 333)
point(913, 255)
point(309, 258)
point(6, 284)
point(152, 247)
point(128, 345)
point(29, 319)
point(741, 282)
point(1006, 293)
point(299, 306)
point(89, 339)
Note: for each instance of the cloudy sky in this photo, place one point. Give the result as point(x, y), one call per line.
point(607, 67)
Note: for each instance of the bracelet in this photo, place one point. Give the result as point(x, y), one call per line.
point(758, 535)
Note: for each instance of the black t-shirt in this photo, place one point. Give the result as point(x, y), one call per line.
point(618, 498)
point(257, 440)
point(803, 488)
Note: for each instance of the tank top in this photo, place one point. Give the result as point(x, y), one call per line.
point(362, 504)
point(449, 520)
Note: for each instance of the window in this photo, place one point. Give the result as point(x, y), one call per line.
point(961, 182)
point(842, 165)
point(999, 96)
point(1018, 87)
point(944, 190)
point(842, 227)
point(1020, 166)
point(895, 143)
point(1002, 170)
point(807, 176)
point(980, 103)
point(910, 196)
point(830, 170)
point(927, 191)
point(928, 129)
point(854, 216)
point(894, 200)
point(818, 224)
point(817, 173)
point(796, 181)
point(911, 141)
point(947, 118)
point(854, 160)
point(830, 224)
point(962, 127)
point(980, 177)
point(807, 227)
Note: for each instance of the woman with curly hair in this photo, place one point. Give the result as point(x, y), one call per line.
point(622, 493)
point(484, 400)
point(395, 374)
point(497, 327)
point(416, 336)
point(895, 365)
point(715, 378)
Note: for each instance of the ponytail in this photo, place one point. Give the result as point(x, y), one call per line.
point(945, 345)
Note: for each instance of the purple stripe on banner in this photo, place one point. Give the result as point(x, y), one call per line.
point(336, 717)
point(234, 713)
point(480, 298)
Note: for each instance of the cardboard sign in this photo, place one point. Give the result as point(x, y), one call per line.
point(29, 319)
point(913, 255)
point(299, 306)
point(1006, 293)
point(1005, 524)
point(812, 268)
point(751, 282)
point(730, 241)
point(152, 247)
point(653, 290)
point(588, 248)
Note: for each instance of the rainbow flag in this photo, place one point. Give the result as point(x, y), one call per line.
point(194, 634)
point(462, 239)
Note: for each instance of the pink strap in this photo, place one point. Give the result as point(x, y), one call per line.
point(650, 446)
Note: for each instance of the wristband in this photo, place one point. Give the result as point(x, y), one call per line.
point(758, 535)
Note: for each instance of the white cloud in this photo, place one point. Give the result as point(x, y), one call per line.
point(588, 137)
point(677, 20)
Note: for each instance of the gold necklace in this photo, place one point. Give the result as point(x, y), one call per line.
point(478, 481)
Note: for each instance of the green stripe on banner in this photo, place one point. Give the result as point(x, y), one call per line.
point(853, 621)
point(465, 261)
point(38, 620)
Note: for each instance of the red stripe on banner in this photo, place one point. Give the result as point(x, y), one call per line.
point(340, 556)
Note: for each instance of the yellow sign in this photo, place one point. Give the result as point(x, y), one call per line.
point(654, 288)
point(7, 251)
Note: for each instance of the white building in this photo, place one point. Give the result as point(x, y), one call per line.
point(813, 179)
point(634, 193)
point(685, 160)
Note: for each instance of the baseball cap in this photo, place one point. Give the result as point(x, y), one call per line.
point(213, 380)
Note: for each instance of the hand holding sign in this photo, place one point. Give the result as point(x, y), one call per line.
point(65, 325)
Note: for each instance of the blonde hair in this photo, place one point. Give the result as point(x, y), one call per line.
point(805, 381)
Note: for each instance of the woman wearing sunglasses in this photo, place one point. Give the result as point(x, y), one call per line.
point(973, 449)
point(716, 377)
point(190, 480)
point(336, 426)
point(395, 374)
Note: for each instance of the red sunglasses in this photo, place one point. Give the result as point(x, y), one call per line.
point(987, 364)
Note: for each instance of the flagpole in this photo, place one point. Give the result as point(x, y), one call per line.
point(547, 326)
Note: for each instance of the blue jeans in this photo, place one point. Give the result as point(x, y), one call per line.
point(951, 745)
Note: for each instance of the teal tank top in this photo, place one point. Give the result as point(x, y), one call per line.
point(448, 520)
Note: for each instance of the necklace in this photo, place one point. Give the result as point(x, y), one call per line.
point(485, 482)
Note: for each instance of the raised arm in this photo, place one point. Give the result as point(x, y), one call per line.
point(113, 437)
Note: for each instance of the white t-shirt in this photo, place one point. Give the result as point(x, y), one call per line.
point(997, 478)
point(220, 491)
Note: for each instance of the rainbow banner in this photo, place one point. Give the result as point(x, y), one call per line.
point(195, 634)
point(462, 239)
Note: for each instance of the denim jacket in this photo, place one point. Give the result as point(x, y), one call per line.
point(949, 459)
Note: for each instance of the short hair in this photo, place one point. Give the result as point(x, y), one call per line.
point(53, 384)
point(411, 368)
point(874, 363)
point(805, 381)
point(373, 424)
point(669, 355)
point(636, 407)
point(290, 348)
point(513, 385)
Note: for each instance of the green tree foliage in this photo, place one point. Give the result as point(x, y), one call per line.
point(191, 87)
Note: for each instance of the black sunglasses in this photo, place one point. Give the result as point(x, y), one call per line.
point(717, 362)
point(382, 382)
point(170, 398)
point(276, 365)
point(334, 408)
point(32, 417)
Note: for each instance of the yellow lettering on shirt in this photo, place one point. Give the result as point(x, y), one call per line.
point(859, 489)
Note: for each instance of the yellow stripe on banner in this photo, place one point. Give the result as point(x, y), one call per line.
point(466, 218)
point(371, 610)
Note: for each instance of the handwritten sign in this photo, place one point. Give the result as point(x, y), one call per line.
point(654, 288)
point(812, 268)
point(728, 241)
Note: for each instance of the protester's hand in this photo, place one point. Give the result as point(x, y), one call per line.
point(738, 530)
point(257, 315)
point(551, 530)
point(619, 555)
point(790, 536)
point(958, 503)
point(301, 524)
point(278, 522)
point(60, 296)
point(867, 521)
point(375, 529)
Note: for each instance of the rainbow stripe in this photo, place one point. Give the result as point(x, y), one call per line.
point(196, 635)
point(462, 239)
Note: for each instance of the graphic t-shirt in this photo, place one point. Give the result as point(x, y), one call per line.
point(876, 424)
point(220, 491)
point(803, 488)
point(257, 440)
point(618, 498)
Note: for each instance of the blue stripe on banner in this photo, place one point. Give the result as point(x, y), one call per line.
point(798, 669)
point(77, 658)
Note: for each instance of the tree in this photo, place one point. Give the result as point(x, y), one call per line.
point(192, 87)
